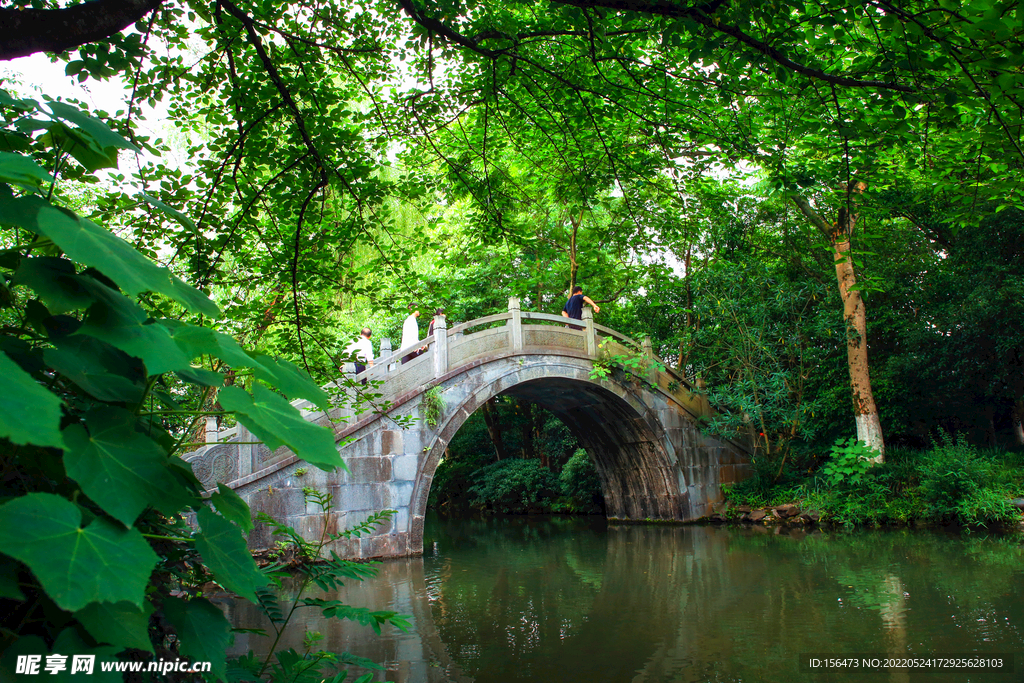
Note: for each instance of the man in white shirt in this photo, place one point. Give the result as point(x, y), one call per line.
point(410, 333)
point(362, 349)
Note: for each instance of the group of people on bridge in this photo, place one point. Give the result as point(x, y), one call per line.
point(362, 349)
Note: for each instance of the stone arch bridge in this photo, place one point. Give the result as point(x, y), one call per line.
point(653, 462)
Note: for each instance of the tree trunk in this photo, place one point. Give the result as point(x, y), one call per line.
point(538, 431)
point(869, 427)
point(525, 414)
point(493, 422)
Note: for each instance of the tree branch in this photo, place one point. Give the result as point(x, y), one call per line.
point(27, 31)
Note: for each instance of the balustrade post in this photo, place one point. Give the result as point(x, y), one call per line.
point(589, 332)
point(386, 350)
point(516, 323)
point(211, 429)
point(440, 346)
point(648, 348)
point(247, 452)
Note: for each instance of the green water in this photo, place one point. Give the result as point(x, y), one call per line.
point(570, 600)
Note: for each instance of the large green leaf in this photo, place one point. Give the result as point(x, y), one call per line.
point(87, 243)
point(120, 322)
point(21, 170)
point(121, 469)
point(203, 632)
point(97, 133)
point(75, 565)
point(29, 414)
point(291, 381)
point(226, 555)
point(104, 371)
point(285, 376)
point(118, 623)
point(184, 220)
point(277, 423)
point(231, 506)
point(79, 145)
point(55, 282)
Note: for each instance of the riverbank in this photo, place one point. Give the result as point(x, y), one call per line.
point(952, 483)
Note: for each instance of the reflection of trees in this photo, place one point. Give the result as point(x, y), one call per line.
point(418, 656)
point(661, 603)
point(558, 599)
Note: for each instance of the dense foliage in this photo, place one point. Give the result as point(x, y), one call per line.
point(515, 458)
point(952, 482)
point(103, 380)
point(769, 191)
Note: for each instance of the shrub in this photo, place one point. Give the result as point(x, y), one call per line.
point(851, 460)
point(956, 485)
point(581, 485)
point(514, 486)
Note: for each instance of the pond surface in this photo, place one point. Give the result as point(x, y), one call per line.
point(574, 600)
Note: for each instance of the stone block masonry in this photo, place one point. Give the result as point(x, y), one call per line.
point(653, 462)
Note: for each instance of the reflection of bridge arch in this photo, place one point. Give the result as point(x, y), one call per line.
point(653, 462)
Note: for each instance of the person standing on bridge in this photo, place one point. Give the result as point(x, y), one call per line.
point(574, 306)
point(362, 349)
point(410, 333)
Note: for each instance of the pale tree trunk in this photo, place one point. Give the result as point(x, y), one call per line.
point(869, 427)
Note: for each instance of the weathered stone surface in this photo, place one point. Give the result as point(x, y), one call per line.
point(788, 510)
point(756, 515)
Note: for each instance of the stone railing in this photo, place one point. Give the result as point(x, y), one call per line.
point(234, 452)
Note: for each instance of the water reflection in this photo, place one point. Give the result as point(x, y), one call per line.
point(555, 599)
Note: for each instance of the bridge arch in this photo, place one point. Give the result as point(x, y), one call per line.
point(635, 459)
point(653, 461)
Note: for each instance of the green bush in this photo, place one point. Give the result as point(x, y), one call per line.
point(955, 481)
point(580, 485)
point(514, 486)
point(851, 460)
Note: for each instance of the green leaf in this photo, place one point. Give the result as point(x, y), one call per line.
point(55, 282)
point(29, 414)
point(22, 170)
point(121, 624)
point(201, 376)
point(277, 423)
point(231, 506)
point(121, 469)
point(75, 565)
point(98, 133)
point(97, 367)
point(291, 381)
point(120, 322)
point(198, 341)
point(184, 220)
point(226, 555)
point(204, 632)
point(87, 243)
point(9, 588)
point(285, 376)
point(79, 145)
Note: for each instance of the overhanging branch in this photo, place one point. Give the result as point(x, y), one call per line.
point(27, 30)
